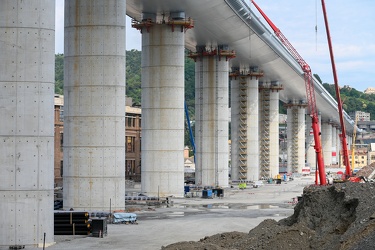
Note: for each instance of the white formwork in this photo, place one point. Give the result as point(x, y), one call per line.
point(252, 113)
point(27, 51)
point(274, 133)
point(211, 112)
point(296, 126)
point(327, 142)
point(253, 129)
point(163, 111)
point(94, 112)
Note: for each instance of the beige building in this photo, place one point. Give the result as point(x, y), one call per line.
point(362, 116)
point(132, 166)
point(360, 158)
point(370, 90)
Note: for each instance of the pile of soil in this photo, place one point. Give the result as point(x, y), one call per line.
point(341, 216)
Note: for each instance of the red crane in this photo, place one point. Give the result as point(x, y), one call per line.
point(344, 145)
point(310, 93)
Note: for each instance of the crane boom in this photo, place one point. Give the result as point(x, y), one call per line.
point(310, 94)
point(344, 144)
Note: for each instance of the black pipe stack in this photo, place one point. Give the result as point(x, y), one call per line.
point(72, 223)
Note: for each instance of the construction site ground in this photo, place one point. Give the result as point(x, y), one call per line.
point(191, 219)
point(330, 217)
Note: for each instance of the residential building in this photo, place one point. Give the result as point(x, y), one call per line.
point(362, 116)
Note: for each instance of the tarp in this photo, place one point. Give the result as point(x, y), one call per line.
point(124, 217)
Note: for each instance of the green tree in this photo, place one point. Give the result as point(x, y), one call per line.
point(59, 74)
point(133, 75)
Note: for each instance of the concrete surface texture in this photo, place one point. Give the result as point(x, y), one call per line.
point(296, 137)
point(327, 142)
point(163, 110)
point(26, 126)
point(274, 144)
point(212, 118)
point(191, 219)
point(244, 118)
point(94, 115)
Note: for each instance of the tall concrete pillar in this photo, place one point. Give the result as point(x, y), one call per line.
point(27, 52)
point(327, 142)
point(211, 114)
point(235, 133)
point(296, 136)
point(162, 107)
point(245, 127)
point(334, 145)
point(310, 151)
point(94, 92)
point(269, 129)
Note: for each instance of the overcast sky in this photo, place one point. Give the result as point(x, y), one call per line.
point(352, 26)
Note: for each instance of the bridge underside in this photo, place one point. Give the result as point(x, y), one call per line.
point(241, 29)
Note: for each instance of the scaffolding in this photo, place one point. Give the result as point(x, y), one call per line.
point(265, 134)
point(295, 140)
point(243, 162)
point(147, 23)
point(242, 130)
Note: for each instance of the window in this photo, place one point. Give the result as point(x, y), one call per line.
point(61, 113)
point(61, 141)
point(130, 121)
point(130, 144)
point(61, 168)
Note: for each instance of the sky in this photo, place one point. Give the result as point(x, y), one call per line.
point(351, 23)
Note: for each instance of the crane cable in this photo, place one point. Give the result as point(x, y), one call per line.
point(316, 25)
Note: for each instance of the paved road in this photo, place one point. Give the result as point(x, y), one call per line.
point(190, 219)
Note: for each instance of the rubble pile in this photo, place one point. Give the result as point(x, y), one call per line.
point(341, 216)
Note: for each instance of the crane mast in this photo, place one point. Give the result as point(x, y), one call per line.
point(310, 94)
point(339, 102)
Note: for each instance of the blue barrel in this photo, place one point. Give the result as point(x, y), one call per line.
point(187, 189)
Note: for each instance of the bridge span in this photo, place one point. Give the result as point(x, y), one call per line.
point(241, 29)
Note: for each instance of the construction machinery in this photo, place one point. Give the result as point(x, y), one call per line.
point(310, 94)
point(345, 154)
point(191, 135)
point(353, 144)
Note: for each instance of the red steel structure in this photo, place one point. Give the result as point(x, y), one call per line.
point(310, 93)
point(345, 153)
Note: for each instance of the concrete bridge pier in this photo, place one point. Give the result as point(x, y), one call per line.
point(211, 115)
point(163, 48)
point(269, 129)
point(296, 136)
point(94, 111)
point(338, 144)
point(327, 142)
point(309, 148)
point(27, 48)
point(244, 124)
point(334, 145)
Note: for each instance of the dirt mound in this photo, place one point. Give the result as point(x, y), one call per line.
point(341, 216)
point(367, 171)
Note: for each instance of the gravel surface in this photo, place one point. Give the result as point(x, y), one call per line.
point(341, 216)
